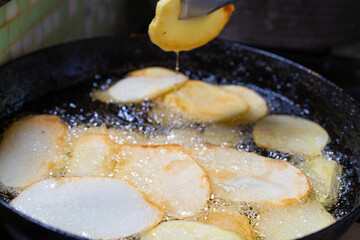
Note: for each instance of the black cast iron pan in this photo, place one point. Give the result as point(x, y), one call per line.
point(288, 88)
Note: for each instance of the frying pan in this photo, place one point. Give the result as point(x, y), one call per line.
point(306, 93)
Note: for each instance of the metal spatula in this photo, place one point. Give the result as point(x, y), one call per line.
point(197, 8)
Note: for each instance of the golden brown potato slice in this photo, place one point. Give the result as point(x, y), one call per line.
point(205, 102)
point(294, 221)
point(31, 148)
point(247, 177)
point(155, 72)
point(92, 155)
point(172, 34)
point(188, 230)
point(89, 207)
point(167, 175)
point(324, 175)
point(236, 223)
point(257, 105)
point(290, 134)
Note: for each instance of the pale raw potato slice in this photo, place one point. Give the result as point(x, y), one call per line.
point(90, 207)
point(205, 102)
point(247, 177)
point(167, 175)
point(294, 221)
point(188, 230)
point(186, 138)
point(222, 134)
point(155, 72)
point(31, 148)
point(172, 34)
point(257, 105)
point(236, 223)
point(136, 89)
point(324, 175)
point(92, 154)
point(290, 134)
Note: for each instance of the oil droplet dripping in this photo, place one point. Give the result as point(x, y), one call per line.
point(177, 68)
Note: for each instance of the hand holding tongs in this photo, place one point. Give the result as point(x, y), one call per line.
point(197, 8)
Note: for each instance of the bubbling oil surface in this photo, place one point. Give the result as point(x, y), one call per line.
point(76, 107)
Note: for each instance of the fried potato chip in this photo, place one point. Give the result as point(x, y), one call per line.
point(248, 177)
point(205, 102)
point(172, 34)
point(290, 134)
point(236, 223)
point(92, 155)
point(324, 175)
point(31, 148)
point(167, 175)
point(155, 72)
point(294, 221)
point(257, 105)
point(181, 230)
point(96, 207)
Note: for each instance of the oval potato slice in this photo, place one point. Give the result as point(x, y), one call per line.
point(290, 134)
point(90, 207)
point(136, 89)
point(324, 175)
point(205, 102)
point(293, 222)
point(155, 72)
point(167, 175)
point(188, 230)
point(92, 154)
point(172, 34)
point(31, 148)
point(236, 223)
point(257, 105)
point(248, 177)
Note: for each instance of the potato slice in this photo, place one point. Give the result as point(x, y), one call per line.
point(172, 34)
point(96, 207)
point(222, 134)
point(92, 154)
point(236, 223)
point(324, 175)
point(187, 230)
point(290, 134)
point(248, 177)
point(155, 72)
point(257, 105)
point(31, 148)
point(167, 175)
point(205, 102)
point(136, 89)
point(294, 221)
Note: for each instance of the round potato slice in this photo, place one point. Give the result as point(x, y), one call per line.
point(137, 89)
point(155, 72)
point(247, 177)
point(90, 207)
point(257, 105)
point(188, 230)
point(92, 154)
point(232, 222)
point(31, 148)
point(290, 134)
point(172, 34)
point(167, 175)
point(293, 222)
point(205, 102)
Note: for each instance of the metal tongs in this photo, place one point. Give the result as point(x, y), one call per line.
point(198, 8)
